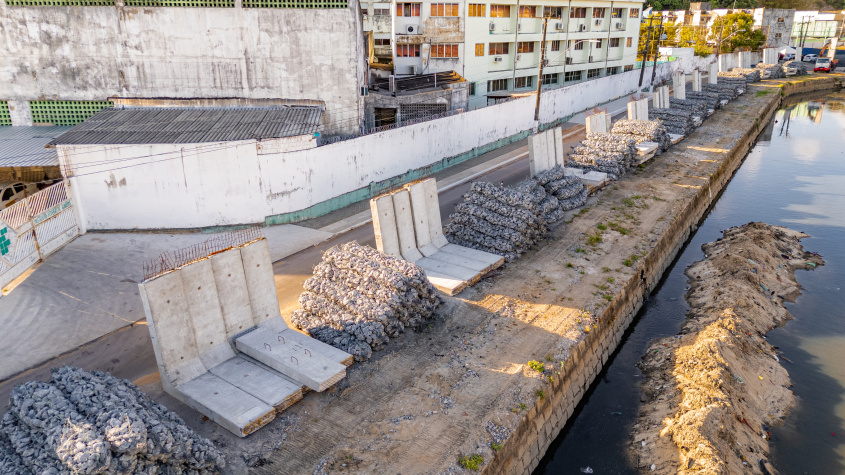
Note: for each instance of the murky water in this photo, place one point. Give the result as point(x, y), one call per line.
point(795, 177)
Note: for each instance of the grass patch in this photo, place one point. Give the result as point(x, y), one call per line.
point(540, 394)
point(619, 229)
point(601, 226)
point(627, 262)
point(761, 93)
point(569, 265)
point(594, 239)
point(548, 357)
point(496, 447)
point(610, 280)
point(537, 366)
point(608, 297)
point(628, 202)
point(580, 249)
point(473, 462)
point(606, 269)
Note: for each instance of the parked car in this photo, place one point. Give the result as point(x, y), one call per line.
point(11, 193)
point(809, 58)
point(825, 64)
point(788, 56)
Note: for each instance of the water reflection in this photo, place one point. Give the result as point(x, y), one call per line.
point(827, 207)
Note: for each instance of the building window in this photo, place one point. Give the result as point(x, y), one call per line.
point(629, 67)
point(614, 43)
point(599, 12)
point(777, 36)
point(444, 51)
point(364, 12)
point(780, 20)
point(528, 12)
point(578, 12)
point(497, 85)
point(444, 9)
point(616, 13)
point(477, 9)
point(549, 79)
point(523, 82)
point(577, 45)
point(479, 49)
point(572, 76)
point(612, 71)
point(553, 12)
point(555, 45)
point(628, 42)
point(593, 73)
point(407, 9)
point(381, 11)
point(500, 11)
point(634, 13)
point(525, 47)
point(597, 44)
point(382, 41)
point(472, 89)
point(408, 51)
point(498, 48)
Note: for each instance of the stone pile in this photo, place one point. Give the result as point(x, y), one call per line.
point(92, 423)
point(549, 207)
point(568, 190)
point(358, 297)
point(676, 121)
point(608, 153)
point(643, 131)
point(774, 70)
point(751, 74)
point(710, 99)
point(736, 80)
point(797, 64)
point(502, 221)
point(726, 92)
point(698, 108)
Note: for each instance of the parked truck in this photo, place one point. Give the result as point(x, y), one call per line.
point(825, 64)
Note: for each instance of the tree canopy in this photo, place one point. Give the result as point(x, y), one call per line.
point(736, 31)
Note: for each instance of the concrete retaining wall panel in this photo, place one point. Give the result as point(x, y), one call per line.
point(231, 285)
point(261, 284)
point(203, 305)
point(405, 226)
point(384, 225)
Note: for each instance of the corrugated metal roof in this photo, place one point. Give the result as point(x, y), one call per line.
point(24, 146)
point(182, 125)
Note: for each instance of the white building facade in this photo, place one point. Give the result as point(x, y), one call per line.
point(496, 46)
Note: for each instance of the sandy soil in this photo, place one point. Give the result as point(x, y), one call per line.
point(711, 393)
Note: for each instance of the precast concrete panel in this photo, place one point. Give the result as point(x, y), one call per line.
point(632, 110)
point(171, 330)
point(384, 225)
point(405, 226)
point(696, 80)
point(266, 385)
point(435, 223)
point(204, 310)
point(419, 212)
point(552, 149)
point(713, 73)
point(560, 157)
point(260, 282)
point(232, 288)
point(679, 81)
point(233, 408)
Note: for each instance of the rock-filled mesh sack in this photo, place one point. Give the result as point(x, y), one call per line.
point(359, 297)
point(92, 422)
point(607, 153)
point(643, 131)
point(568, 190)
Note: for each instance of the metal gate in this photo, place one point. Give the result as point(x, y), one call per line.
point(34, 228)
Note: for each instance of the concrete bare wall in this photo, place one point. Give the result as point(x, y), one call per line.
point(93, 53)
point(189, 186)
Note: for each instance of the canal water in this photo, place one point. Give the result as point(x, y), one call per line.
point(795, 177)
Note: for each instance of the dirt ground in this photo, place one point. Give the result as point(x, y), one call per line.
point(710, 393)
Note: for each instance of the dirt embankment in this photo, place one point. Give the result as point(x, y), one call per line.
point(711, 392)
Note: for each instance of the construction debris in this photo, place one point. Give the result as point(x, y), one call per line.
point(643, 131)
point(91, 423)
point(359, 297)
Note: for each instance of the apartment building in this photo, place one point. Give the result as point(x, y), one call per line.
point(496, 46)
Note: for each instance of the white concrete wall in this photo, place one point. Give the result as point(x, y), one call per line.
point(192, 186)
point(94, 53)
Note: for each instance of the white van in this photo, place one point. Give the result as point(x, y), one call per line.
point(11, 193)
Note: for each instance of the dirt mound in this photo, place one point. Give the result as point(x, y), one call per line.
point(711, 392)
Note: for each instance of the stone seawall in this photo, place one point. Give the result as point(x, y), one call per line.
point(543, 422)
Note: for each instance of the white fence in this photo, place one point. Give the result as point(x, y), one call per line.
point(34, 228)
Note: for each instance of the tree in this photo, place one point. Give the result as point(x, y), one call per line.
point(737, 32)
point(697, 38)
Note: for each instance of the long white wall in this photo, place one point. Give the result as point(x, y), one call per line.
point(189, 186)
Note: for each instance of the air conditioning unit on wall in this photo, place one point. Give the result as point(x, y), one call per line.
point(598, 22)
point(568, 60)
point(618, 25)
point(492, 26)
point(582, 28)
point(410, 29)
point(497, 59)
point(559, 25)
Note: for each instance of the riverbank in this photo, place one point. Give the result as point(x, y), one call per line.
point(711, 393)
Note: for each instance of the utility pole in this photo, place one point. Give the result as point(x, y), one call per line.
point(540, 75)
point(656, 50)
point(645, 53)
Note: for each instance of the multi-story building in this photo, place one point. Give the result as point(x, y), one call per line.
point(496, 46)
point(815, 24)
point(775, 23)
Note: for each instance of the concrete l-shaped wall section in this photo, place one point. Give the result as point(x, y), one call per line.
point(215, 324)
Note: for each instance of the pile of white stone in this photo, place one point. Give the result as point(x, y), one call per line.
point(358, 297)
point(676, 121)
point(710, 99)
point(549, 207)
point(607, 153)
point(796, 64)
point(726, 91)
point(770, 71)
point(502, 221)
point(91, 423)
point(696, 107)
point(643, 131)
point(568, 190)
point(734, 79)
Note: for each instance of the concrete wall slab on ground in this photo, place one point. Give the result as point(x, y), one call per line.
point(94, 53)
point(232, 183)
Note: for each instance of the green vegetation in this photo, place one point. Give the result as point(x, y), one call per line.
point(601, 226)
point(473, 462)
point(580, 249)
point(761, 93)
point(619, 229)
point(536, 366)
point(569, 265)
point(594, 239)
point(605, 269)
point(496, 447)
point(548, 357)
point(608, 297)
point(610, 280)
point(540, 394)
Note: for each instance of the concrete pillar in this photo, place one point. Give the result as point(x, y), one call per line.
point(745, 59)
point(384, 225)
point(20, 113)
point(435, 225)
point(538, 153)
point(696, 81)
point(550, 146)
point(657, 98)
point(664, 99)
point(679, 83)
point(597, 123)
point(231, 286)
point(261, 285)
point(832, 50)
point(405, 226)
point(420, 215)
point(713, 73)
point(632, 110)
